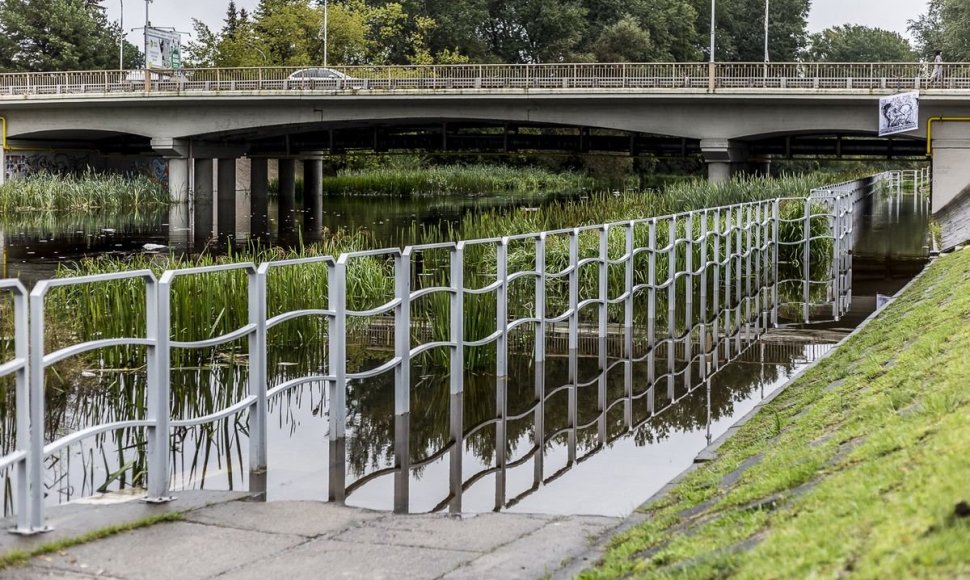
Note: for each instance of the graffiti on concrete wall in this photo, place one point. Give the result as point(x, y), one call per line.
point(24, 164)
point(29, 163)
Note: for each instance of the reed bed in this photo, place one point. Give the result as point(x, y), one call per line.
point(454, 179)
point(90, 191)
point(209, 305)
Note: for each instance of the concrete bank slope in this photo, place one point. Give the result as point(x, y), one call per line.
point(312, 540)
point(861, 467)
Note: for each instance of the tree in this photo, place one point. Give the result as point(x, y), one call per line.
point(852, 43)
point(624, 41)
point(59, 35)
point(534, 31)
point(946, 27)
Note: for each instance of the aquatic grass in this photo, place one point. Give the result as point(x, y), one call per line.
point(439, 180)
point(211, 305)
point(90, 191)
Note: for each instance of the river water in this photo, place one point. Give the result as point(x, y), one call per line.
point(560, 455)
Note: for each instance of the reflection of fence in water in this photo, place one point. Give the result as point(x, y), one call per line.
point(705, 283)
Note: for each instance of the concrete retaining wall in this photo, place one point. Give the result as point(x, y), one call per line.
point(954, 220)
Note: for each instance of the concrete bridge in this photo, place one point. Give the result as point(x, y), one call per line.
point(732, 114)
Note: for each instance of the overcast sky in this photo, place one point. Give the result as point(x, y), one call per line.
point(890, 14)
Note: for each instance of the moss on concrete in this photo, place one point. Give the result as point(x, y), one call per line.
point(860, 467)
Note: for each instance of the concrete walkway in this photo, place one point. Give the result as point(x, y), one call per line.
point(293, 540)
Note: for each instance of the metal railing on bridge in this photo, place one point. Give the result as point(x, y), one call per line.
point(473, 77)
point(695, 288)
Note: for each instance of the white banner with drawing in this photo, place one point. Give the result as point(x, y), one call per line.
point(898, 113)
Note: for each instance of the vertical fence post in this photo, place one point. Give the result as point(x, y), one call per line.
point(689, 304)
point(749, 251)
point(629, 283)
point(702, 311)
point(806, 258)
point(337, 290)
point(728, 264)
point(35, 452)
point(671, 306)
point(775, 222)
point(835, 207)
point(573, 342)
point(159, 323)
point(258, 413)
point(716, 285)
point(652, 316)
point(501, 368)
point(739, 251)
point(604, 296)
point(22, 400)
point(457, 369)
point(540, 358)
point(402, 381)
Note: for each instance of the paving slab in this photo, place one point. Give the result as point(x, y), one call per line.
point(178, 550)
point(334, 559)
point(304, 518)
point(35, 573)
point(474, 533)
point(78, 518)
point(540, 553)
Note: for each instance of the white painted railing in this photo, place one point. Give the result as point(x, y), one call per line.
point(711, 280)
point(616, 77)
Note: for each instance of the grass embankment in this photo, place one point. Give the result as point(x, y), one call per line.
point(860, 467)
point(47, 192)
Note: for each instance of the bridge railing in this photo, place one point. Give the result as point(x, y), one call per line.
point(703, 283)
point(796, 76)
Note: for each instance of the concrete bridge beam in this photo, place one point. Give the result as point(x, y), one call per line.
point(226, 206)
point(313, 196)
point(723, 157)
point(287, 196)
point(259, 196)
point(202, 200)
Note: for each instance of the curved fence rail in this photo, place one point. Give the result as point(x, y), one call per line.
point(686, 292)
point(474, 77)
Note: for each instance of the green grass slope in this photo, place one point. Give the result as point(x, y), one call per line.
point(860, 468)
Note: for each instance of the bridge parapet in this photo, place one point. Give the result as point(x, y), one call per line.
point(677, 77)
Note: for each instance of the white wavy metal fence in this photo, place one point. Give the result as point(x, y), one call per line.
point(710, 280)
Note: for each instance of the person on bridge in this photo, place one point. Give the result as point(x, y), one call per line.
point(937, 75)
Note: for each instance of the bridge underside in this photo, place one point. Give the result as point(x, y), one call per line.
point(472, 138)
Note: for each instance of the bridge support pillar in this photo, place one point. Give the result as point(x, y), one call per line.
point(259, 196)
point(202, 201)
point(722, 157)
point(176, 155)
point(287, 197)
point(178, 179)
point(313, 197)
point(951, 181)
point(226, 206)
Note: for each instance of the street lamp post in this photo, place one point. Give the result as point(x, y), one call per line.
point(767, 3)
point(713, 24)
point(121, 39)
point(326, 29)
point(147, 25)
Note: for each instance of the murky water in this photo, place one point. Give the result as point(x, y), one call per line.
point(585, 433)
point(32, 245)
